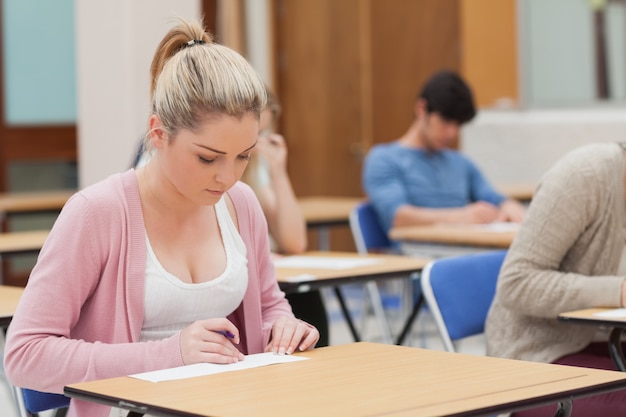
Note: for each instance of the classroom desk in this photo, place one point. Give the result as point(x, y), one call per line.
point(300, 279)
point(29, 241)
point(360, 380)
point(323, 212)
point(617, 323)
point(9, 297)
point(519, 191)
point(453, 239)
point(33, 201)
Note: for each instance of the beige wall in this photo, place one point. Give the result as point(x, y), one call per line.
point(115, 43)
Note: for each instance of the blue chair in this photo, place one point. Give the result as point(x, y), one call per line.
point(31, 402)
point(459, 291)
point(370, 237)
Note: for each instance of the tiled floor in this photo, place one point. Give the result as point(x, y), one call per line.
point(424, 334)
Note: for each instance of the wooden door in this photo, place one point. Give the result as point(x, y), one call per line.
point(347, 75)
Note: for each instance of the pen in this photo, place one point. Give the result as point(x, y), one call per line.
point(225, 333)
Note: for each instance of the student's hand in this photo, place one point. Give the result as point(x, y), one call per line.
point(480, 212)
point(290, 334)
point(209, 341)
point(273, 149)
point(511, 211)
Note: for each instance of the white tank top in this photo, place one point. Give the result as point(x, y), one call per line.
point(170, 304)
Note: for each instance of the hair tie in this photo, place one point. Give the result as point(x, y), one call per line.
point(193, 42)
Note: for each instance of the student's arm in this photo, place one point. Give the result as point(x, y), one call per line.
point(278, 200)
point(478, 212)
point(564, 223)
point(509, 210)
point(64, 328)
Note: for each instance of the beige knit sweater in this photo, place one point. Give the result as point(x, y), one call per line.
point(564, 258)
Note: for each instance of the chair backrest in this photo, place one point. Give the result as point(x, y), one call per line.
point(459, 291)
point(368, 234)
point(31, 402)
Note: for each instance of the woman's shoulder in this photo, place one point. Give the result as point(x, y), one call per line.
point(114, 192)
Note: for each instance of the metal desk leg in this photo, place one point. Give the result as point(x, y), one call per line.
point(379, 310)
point(409, 321)
point(615, 348)
point(346, 314)
point(564, 409)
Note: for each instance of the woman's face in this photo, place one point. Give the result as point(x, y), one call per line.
point(203, 164)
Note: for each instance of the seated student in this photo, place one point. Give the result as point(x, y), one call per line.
point(169, 264)
point(418, 180)
point(267, 175)
point(567, 255)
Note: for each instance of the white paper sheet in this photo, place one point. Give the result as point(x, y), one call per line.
point(322, 262)
point(499, 226)
point(199, 369)
point(616, 313)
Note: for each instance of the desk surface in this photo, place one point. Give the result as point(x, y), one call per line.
point(386, 266)
point(589, 316)
point(518, 191)
point(358, 380)
point(9, 297)
point(29, 241)
point(617, 322)
point(24, 202)
point(456, 234)
point(318, 210)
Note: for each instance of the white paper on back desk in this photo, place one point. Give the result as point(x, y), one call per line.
point(200, 369)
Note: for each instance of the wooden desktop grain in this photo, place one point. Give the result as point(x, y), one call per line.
point(327, 209)
point(387, 264)
point(454, 234)
point(34, 201)
point(360, 380)
point(29, 241)
point(9, 298)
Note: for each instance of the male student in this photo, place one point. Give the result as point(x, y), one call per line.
point(418, 180)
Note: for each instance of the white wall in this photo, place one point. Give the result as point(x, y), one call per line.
point(520, 146)
point(115, 43)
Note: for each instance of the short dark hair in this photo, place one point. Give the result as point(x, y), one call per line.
point(447, 94)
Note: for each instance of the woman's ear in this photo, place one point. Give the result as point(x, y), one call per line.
point(158, 136)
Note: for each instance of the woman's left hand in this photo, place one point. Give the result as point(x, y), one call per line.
point(289, 334)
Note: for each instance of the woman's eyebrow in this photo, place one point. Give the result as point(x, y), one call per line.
point(210, 149)
point(222, 152)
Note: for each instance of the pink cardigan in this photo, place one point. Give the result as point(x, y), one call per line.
point(82, 310)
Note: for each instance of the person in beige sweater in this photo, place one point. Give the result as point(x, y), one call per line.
point(566, 256)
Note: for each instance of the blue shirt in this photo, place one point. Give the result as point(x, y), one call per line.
point(394, 175)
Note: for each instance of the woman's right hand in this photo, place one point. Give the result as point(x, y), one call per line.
point(204, 341)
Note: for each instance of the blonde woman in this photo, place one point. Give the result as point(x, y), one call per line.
point(169, 264)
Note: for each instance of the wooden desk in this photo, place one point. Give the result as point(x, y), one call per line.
point(360, 380)
point(323, 212)
point(457, 235)
point(29, 241)
point(519, 191)
point(387, 266)
point(617, 324)
point(9, 297)
point(34, 201)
